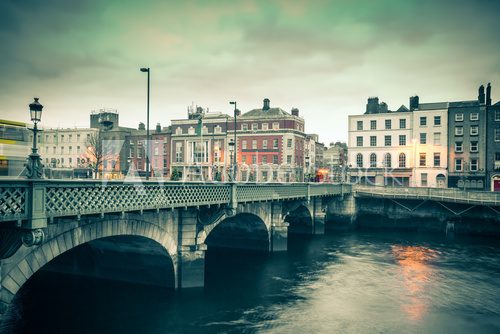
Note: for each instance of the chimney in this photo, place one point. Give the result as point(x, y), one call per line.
point(414, 102)
point(480, 96)
point(295, 112)
point(142, 126)
point(158, 127)
point(266, 104)
point(488, 94)
point(372, 105)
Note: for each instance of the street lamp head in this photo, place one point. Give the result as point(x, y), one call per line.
point(144, 69)
point(36, 111)
point(232, 102)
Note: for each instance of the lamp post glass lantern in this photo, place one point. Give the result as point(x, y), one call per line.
point(34, 168)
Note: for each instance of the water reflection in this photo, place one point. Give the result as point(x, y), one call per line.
point(416, 273)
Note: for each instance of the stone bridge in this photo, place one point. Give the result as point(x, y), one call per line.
point(43, 222)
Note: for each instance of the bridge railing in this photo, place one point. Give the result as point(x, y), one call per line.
point(19, 199)
point(437, 194)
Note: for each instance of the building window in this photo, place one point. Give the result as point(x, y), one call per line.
point(264, 159)
point(437, 120)
point(244, 159)
point(388, 124)
point(402, 160)
point(423, 121)
point(244, 127)
point(62, 149)
point(360, 125)
point(178, 152)
point(387, 141)
point(473, 165)
point(474, 130)
point(276, 126)
point(289, 159)
point(458, 165)
point(473, 146)
point(423, 179)
point(191, 131)
point(373, 160)
point(459, 117)
point(264, 144)
point(217, 129)
point(255, 126)
point(359, 160)
point(423, 138)
point(437, 159)
point(289, 143)
point(402, 140)
point(497, 115)
point(437, 138)
point(387, 160)
point(254, 159)
point(497, 134)
point(178, 131)
point(275, 143)
point(359, 141)
point(423, 159)
point(459, 131)
point(402, 123)
point(275, 159)
point(265, 126)
point(244, 144)
point(254, 144)
point(474, 116)
point(373, 125)
point(156, 151)
point(458, 147)
point(373, 140)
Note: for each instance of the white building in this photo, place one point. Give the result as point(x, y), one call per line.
point(399, 148)
point(65, 148)
point(430, 145)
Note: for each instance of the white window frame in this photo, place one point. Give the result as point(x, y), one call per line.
point(474, 130)
point(459, 117)
point(459, 131)
point(474, 116)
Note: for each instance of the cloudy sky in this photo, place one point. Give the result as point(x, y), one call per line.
point(323, 57)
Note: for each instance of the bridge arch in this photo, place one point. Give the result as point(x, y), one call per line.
point(39, 256)
point(245, 230)
point(300, 219)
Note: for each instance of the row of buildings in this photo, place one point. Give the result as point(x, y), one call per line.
point(271, 145)
point(445, 144)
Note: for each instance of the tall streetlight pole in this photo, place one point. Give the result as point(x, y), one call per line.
point(234, 161)
point(146, 69)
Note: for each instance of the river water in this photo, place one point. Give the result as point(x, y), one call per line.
point(356, 282)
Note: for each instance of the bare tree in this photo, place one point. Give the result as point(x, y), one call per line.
point(95, 151)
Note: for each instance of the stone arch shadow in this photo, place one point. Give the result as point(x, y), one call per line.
point(244, 230)
point(299, 218)
point(40, 256)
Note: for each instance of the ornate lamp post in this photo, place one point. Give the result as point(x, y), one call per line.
point(34, 166)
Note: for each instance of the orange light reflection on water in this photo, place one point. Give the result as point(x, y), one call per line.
point(416, 274)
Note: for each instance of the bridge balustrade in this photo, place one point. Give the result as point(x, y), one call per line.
point(59, 198)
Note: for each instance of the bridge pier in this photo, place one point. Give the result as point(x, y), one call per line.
point(190, 255)
point(279, 229)
point(318, 214)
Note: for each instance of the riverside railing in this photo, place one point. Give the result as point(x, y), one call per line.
point(435, 194)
